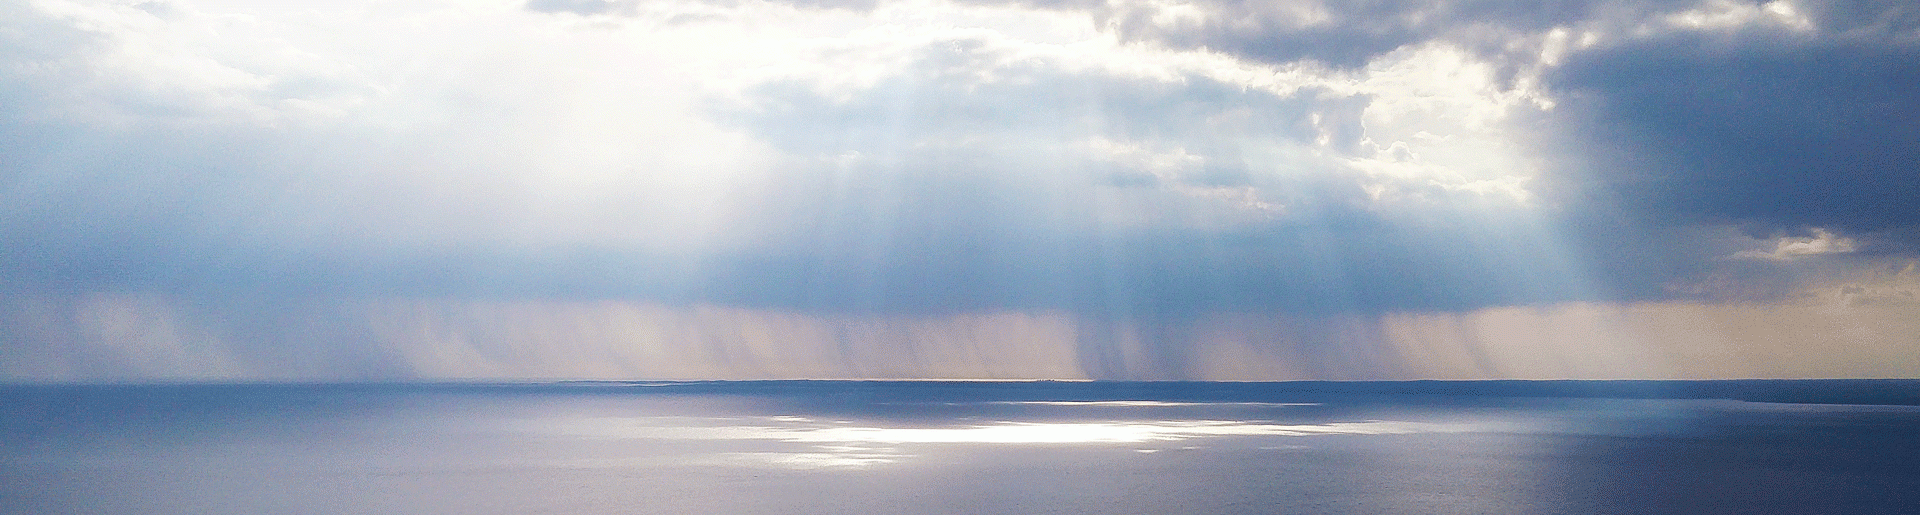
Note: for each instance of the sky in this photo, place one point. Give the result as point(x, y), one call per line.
point(272, 190)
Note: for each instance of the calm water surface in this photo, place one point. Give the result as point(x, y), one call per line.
point(970, 448)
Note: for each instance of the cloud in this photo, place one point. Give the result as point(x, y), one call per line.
point(1101, 176)
point(1774, 127)
point(1145, 169)
point(1768, 132)
point(806, 162)
point(957, 169)
point(581, 7)
point(166, 151)
point(1784, 248)
point(1342, 34)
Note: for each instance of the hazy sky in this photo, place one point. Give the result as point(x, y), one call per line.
point(490, 189)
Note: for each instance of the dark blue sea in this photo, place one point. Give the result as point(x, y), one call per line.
point(833, 447)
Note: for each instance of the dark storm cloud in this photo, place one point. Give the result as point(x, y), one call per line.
point(1756, 124)
point(1776, 132)
point(1341, 34)
point(1763, 128)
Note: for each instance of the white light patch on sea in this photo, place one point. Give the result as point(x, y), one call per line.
point(811, 443)
point(1136, 404)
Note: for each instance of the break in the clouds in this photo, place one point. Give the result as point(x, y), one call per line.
point(688, 189)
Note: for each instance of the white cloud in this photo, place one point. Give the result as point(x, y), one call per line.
point(1821, 243)
point(1727, 14)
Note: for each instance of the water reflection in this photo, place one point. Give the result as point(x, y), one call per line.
point(894, 449)
point(817, 444)
point(1150, 404)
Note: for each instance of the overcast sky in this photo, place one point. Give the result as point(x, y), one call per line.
point(452, 189)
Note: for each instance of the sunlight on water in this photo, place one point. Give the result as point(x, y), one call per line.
point(831, 448)
point(856, 444)
point(999, 432)
point(855, 458)
point(1148, 404)
point(1089, 433)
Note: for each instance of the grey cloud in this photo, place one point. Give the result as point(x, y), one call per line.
point(937, 190)
point(1749, 125)
point(951, 213)
point(1777, 132)
point(1341, 34)
point(1867, 18)
point(1349, 34)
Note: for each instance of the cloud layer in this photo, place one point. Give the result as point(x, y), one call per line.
point(1148, 166)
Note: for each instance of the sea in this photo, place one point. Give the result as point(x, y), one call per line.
point(957, 447)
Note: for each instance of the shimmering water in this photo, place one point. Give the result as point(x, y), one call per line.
point(922, 447)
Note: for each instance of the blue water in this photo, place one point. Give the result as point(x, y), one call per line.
point(933, 447)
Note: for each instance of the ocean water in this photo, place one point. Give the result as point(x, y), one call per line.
point(967, 448)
